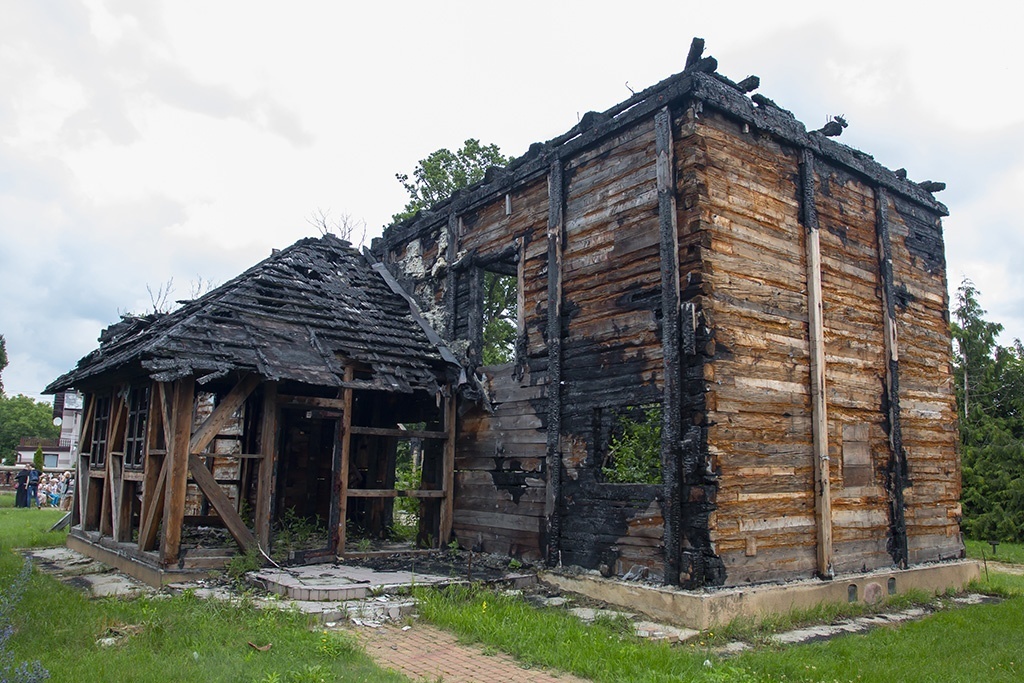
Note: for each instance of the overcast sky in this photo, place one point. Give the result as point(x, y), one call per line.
point(143, 141)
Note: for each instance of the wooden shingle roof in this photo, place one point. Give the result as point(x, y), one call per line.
point(301, 315)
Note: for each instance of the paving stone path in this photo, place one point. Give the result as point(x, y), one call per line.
point(425, 653)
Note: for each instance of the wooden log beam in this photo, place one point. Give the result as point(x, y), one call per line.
point(177, 474)
point(346, 453)
point(555, 231)
point(222, 414)
point(268, 465)
point(400, 433)
point(671, 338)
point(221, 503)
point(395, 493)
point(819, 405)
point(897, 469)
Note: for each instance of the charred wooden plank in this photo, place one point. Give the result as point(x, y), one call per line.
point(671, 339)
point(896, 470)
point(555, 234)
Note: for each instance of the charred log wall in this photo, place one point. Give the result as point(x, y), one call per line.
point(927, 401)
point(612, 349)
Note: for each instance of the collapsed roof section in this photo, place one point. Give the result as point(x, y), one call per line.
point(302, 314)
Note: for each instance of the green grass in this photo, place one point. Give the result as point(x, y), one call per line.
point(984, 642)
point(1012, 553)
point(181, 638)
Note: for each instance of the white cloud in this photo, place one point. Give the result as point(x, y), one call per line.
point(143, 141)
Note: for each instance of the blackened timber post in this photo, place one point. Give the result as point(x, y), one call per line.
point(556, 228)
point(671, 412)
point(897, 470)
point(819, 404)
point(451, 253)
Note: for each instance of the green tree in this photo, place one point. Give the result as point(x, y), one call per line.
point(443, 172)
point(990, 398)
point(435, 179)
point(501, 305)
point(38, 460)
point(21, 416)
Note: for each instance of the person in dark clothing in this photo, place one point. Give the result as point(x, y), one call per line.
point(21, 488)
point(33, 486)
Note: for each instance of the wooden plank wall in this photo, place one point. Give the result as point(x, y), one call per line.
point(927, 400)
point(612, 354)
point(758, 374)
point(753, 298)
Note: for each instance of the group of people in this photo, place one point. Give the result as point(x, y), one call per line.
point(42, 489)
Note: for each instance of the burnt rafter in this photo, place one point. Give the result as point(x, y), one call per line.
point(321, 292)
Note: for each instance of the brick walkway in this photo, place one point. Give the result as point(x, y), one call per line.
point(425, 653)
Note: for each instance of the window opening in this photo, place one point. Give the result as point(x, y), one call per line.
point(500, 317)
point(629, 444)
point(135, 435)
point(100, 421)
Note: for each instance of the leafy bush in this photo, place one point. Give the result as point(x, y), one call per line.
point(635, 452)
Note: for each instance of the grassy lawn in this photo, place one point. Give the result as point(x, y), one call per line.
point(984, 642)
point(180, 638)
point(1012, 553)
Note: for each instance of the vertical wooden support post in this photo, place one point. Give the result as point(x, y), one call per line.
point(897, 469)
point(448, 472)
point(177, 474)
point(267, 467)
point(346, 459)
point(816, 333)
point(671, 408)
point(556, 229)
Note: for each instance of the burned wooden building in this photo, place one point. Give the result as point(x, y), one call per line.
point(729, 363)
point(281, 394)
point(774, 300)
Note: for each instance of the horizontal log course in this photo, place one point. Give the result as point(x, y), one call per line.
point(395, 493)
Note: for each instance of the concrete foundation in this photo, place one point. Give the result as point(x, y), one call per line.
point(132, 564)
point(707, 609)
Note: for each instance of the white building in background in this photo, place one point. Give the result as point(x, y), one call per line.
point(59, 453)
